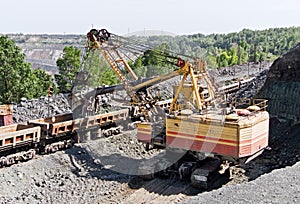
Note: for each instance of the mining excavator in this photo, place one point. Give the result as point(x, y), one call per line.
point(202, 134)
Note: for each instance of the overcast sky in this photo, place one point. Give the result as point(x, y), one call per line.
point(123, 16)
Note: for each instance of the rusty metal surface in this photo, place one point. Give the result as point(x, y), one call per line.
point(6, 120)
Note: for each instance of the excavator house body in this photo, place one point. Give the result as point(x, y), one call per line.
point(236, 138)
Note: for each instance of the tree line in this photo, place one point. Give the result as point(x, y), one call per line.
point(220, 50)
point(76, 67)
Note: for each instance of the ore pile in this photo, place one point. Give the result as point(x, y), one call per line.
point(45, 107)
point(40, 108)
point(55, 179)
point(91, 172)
point(253, 87)
point(228, 75)
point(286, 68)
point(281, 89)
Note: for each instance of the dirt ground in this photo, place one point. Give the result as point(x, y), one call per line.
point(278, 186)
point(102, 171)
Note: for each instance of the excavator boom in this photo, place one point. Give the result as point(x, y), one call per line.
point(111, 51)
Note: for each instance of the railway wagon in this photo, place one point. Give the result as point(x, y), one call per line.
point(104, 119)
point(57, 132)
point(55, 126)
point(106, 124)
point(18, 143)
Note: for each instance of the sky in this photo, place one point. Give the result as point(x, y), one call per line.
point(126, 16)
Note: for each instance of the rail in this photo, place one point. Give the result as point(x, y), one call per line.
point(254, 104)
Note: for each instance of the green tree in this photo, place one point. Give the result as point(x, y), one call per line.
point(138, 67)
point(233, 59)
point(17, 79)
point(223, 58)
point(211, 61)
point(274, 42)
point(68, 66)
point(243, 56)
point(43, 82)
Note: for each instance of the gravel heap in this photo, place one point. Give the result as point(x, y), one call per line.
point(252, 88)
point(227, 75)
point(40, 108)
point(54, 178)
point(54, 105)
point(280, 186)
point(93, 172)
point(282, 91)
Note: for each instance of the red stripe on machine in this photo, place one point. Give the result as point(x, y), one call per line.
point(200, 146)
point(201, 137)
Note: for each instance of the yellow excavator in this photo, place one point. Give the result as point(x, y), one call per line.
point(196, 121)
